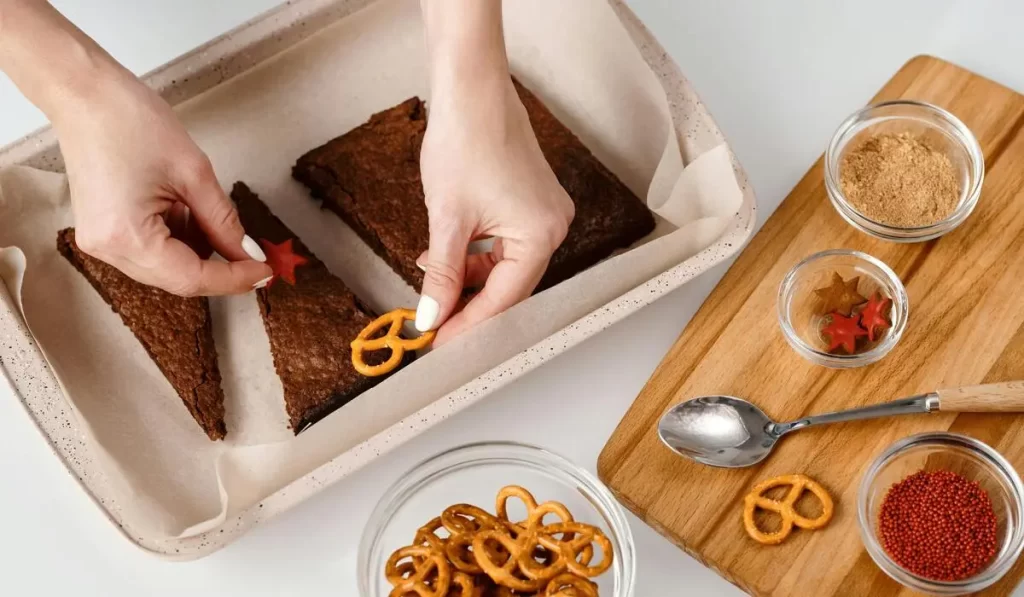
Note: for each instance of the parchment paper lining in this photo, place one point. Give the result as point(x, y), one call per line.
point(168, 478)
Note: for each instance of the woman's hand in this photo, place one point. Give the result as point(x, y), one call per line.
point(483, 174)
point(144, 196)
point(146, 199)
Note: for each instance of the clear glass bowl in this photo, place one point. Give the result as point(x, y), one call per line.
point(473, 474)
point(801, 325)
point(943, 130)
point(965, 456)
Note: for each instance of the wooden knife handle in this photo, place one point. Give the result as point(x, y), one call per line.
point(1005, 397)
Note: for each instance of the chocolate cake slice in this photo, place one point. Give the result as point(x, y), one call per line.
point(175, 331)
point(370, 177)
point(310, 324)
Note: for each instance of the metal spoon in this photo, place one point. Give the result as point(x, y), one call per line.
point(731, 432)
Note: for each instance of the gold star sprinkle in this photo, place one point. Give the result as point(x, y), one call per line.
point(840, 296)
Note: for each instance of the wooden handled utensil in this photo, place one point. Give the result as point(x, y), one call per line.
point(730, 432)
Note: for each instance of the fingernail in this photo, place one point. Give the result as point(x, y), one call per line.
point(484, 245)
point(262, 283)
point(421, 265)
point(252, 249)
point(426, 314)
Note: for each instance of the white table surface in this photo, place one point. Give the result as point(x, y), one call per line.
point(778, 76)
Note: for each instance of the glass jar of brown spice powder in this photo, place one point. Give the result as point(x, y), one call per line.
point(904, 171)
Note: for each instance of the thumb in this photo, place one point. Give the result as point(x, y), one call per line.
point(173, 266)
point(445, 269)
point(217, 217)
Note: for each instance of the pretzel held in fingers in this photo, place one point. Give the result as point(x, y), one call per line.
point(392, 340)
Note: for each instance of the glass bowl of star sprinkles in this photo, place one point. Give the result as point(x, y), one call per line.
point(842, 309)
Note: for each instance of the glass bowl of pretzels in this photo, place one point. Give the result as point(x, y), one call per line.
point(497, 519)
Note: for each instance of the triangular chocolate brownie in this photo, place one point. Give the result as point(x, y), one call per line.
point(175, 331)
point(310, 324)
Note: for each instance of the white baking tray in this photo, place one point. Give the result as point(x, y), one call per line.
point(234, 53)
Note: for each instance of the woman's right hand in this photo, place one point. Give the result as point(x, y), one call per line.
point(484, 174)
point(144, 196)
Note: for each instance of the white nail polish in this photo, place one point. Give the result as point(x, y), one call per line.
point(484, 245)
point(252, 249)
point(426, 314)
point(262, 283)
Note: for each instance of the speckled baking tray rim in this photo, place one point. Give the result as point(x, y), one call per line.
point(227, 56)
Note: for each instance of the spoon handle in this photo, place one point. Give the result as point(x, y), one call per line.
point(1006, 397)
point(906, 406)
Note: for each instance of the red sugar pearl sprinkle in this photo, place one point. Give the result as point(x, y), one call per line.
point(938, 525)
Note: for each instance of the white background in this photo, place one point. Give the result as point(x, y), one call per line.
point(778, 76)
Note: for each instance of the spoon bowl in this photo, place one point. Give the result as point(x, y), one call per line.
point(719, 431)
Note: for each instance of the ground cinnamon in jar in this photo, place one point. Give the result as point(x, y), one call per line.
point(938, 525)
point(900, 180)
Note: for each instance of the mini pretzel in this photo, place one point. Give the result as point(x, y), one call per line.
point(581, 546)
point(500, 591)
point(579, 550)
point(522, 572)
point(466, 551)
point(428, 574)
point(463, 521)
point(465, 518)
point(506, 573)
point(798, 483)
point(570, 585)
point(427, 536)
point(460, 554)
point(513, 491)
point(534, 513)
point(393, 340)
point(465, 585)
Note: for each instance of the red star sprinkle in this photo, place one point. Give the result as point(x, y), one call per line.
point(843, 332)
point(872, 317)
point(283, 260)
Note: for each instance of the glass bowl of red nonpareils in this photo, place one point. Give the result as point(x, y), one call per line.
point(842, 308)
point(942, 513)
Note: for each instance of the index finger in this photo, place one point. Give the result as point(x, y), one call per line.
point(511, 281)
point(173, 266)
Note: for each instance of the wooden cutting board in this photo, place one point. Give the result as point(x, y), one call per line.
point(966, 326)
